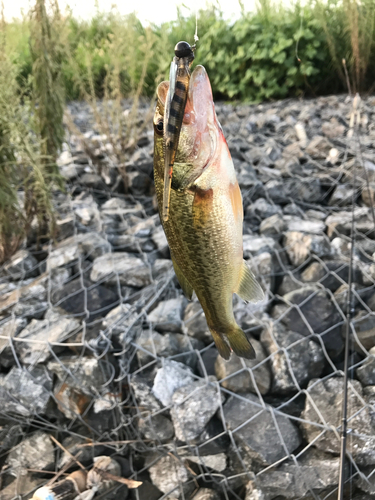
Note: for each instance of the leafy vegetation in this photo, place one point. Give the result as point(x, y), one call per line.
point(271, 53)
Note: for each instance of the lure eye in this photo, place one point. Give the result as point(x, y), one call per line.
point(183, 49)
point(160, 126)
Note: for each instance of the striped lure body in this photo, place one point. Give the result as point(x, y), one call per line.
point(204, 227)
point(174, 112)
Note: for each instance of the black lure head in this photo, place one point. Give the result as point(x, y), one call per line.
point(184, 49)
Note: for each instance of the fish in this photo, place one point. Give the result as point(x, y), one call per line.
point(205, 223)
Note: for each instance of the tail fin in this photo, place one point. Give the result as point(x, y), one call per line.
point(240, 344)
point(237, 340)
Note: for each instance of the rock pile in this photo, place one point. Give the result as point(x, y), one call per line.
point(99, 347)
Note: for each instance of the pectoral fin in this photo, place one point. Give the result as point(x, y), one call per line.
point(248, 288)
point(184, 284)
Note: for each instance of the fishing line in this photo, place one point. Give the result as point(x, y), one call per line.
point(196, 38)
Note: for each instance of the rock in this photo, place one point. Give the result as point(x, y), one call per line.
point(368, 194)
point(196, 324)
point(169, 378)
point(40, 336)
point(364, 326)
point(304, 226)
point(292, 188)
point(65, 252)
point(340, 222)
point(143, 393)
point(206, 494)
point(9, 329)
point(333, 128)
point(160, 240)
point(71, 171)
point(90, 300)
point(193, 405)
point(290, 282)
point(93, 245)
point(21, 486)
point(21, 266)
point(319, 147)
point(92, 181)
point(71, 402)
point(261, 209)
point(237, 374)
point(171, 477)
point(300, 246)
point(207, 364)
point(121, 268)
point(264, 267)
point(342, 195)
point(311, 312)
point(254, 245)
point(366, 372)
point(326, 395)
point(156, 427)
point(86, 375)
point(34, 452)
point(123, 322)
point(292, 357)
point(216, 462)
point(259, 436)
point(314, 472)
point(331, 274)
point(152, 344)
point(161, 268)
point(166, 317)
point(272, 226)
point(25, 392)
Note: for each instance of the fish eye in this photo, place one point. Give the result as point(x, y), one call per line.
point(160, 125)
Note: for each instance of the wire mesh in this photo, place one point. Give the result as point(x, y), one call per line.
point(99, 348)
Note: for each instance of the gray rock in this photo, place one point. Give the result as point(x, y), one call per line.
point(71, 171)
point(40, 335)
point(331, 274)
point(156, 427)
point(304, 226)
point(206, 494)
point(254, 245)
point(299, 246)
point(24, 392)
point(326, 395)
point(34, 452)
point(364, 325)
point(196, 323)
point(21, 266)
point(319, 147)
point(259, 435)
point(368, 194)
point(93, 245)
point(93, 181)
point(160, 240)
point(340, 222)
point(152, 344)
point(286, 190)
point(314, 472)
point(272, 226)
point(237, 374)
point(123, 322)
point(292, 356)
point(169, 378)
point(66, 251)
point(166, 317)
point(84, 298)
point(261, 209)
point(290, 282)
point(312, 311)
point(193, 405)
point(86, 375)
point(342, 195)
point(264, 267)
point(216, 462)
point(171, 477)
point(121, 267)
point(143, 393)
point(366, 372)
point(9, 329)
point(161, 268)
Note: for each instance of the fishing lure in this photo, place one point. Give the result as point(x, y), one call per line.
point(179, 78)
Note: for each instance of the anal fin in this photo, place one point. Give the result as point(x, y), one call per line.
point(184, 284)
point(248, 288)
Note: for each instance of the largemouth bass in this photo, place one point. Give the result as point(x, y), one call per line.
point(204, 227)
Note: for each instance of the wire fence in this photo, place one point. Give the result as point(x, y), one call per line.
point(101, 354)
